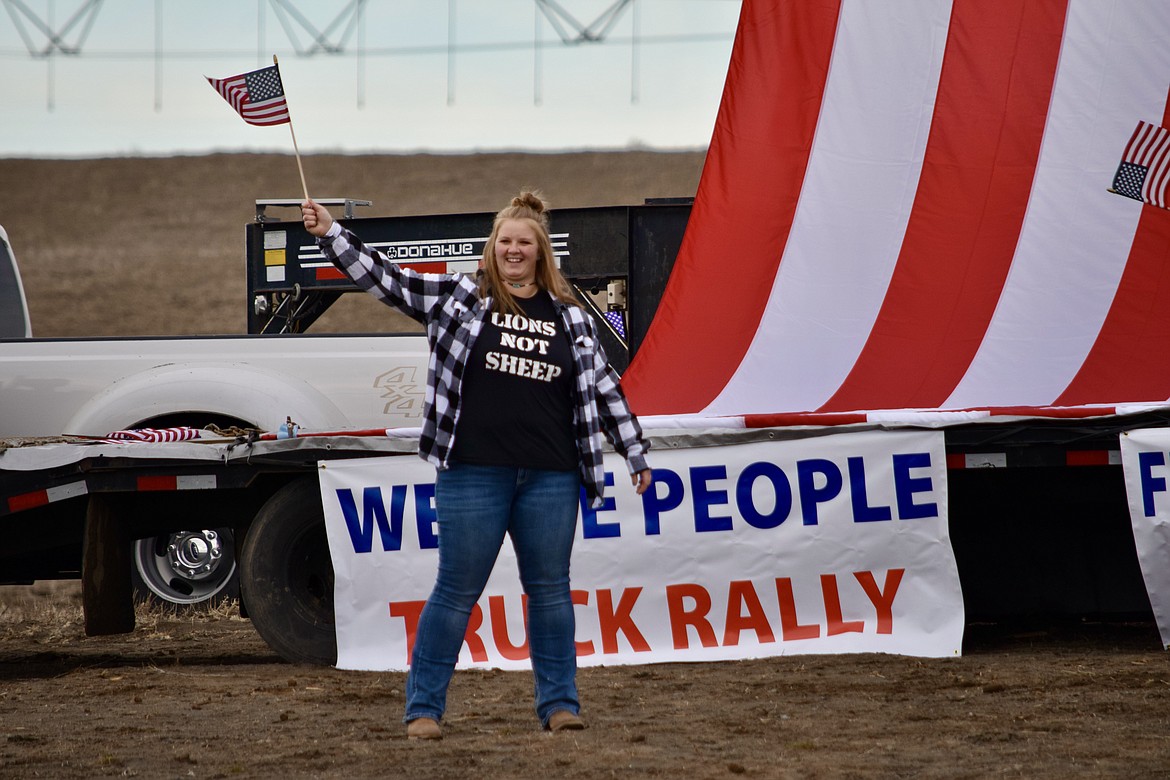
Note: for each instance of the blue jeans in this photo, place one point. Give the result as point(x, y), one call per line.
point(476, 505)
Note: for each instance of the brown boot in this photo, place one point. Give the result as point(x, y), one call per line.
point(563, 720)
point(424, 728)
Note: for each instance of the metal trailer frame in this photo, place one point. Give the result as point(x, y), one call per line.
point(611, 255)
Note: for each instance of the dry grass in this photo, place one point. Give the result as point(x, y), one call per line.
point(47, 608)
point(51, 611)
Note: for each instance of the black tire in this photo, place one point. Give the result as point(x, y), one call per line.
point(185, 569)
point(286, 575)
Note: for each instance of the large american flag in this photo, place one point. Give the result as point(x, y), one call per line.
point(1145, 165)
point(257, 96)
point(906, 206)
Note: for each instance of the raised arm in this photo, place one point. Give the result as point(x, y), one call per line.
point(418, 295)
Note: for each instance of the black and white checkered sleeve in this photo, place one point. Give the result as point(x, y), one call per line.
point(413, 293)
point(617, 420)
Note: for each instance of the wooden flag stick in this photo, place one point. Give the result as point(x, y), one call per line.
point(296, 151)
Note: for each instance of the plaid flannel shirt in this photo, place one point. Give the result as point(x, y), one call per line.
point(451, 310)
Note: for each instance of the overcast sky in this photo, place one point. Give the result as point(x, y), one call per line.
point(137, 86)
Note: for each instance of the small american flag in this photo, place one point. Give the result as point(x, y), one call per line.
point(617, 322)
point(257, 96)
point(1145, 166)
point(151, 435)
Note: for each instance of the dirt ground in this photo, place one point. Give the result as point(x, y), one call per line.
point(202, 696)
point(155, 246)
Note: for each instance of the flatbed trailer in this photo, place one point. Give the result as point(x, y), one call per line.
point(1038, 518)
point(71, 508)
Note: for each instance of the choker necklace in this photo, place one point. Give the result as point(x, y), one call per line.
point(518, 286)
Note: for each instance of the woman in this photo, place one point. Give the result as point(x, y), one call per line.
point(518, 394)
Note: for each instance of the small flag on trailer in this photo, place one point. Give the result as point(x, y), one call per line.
point(152, 435)
point(1144, 171)
point(617, 322)
point(257, 96)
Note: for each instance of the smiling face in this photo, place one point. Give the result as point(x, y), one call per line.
point(517, 251)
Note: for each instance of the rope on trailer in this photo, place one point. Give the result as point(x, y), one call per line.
point(14, 442)
point(233, 431)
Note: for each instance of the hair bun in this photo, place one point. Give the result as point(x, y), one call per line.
point(527, 205)
point(530, 199)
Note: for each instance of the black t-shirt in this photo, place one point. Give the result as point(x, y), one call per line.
point(517, 407)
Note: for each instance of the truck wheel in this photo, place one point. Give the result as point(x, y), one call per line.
point(186, 568)
point(286, 575)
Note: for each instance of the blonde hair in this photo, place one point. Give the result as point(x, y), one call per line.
point(530, 207)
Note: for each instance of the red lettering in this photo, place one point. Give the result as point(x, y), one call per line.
point(883, 601)
point(471, 636)
point(688, 608)
point(614, 621)
point(499, 616)
point(836, 622)
point(790, 627)
point(581, 599)
point(741, 594)
point(409, 611)
point(680, 617)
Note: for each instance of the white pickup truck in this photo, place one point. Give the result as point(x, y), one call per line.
point(120, 518)
point(277, 372)
point(94, 386)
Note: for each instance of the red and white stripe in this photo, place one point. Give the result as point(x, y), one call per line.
point(151, 435)
point(143, 483)
point(168, 482)
point(906, 206)
point(35, 498)
point(922, 418)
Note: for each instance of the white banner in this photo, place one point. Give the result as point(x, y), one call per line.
point(826, 544)
point(1145, 459)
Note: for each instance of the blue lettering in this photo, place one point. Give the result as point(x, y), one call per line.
point(590, 528)
point(810, 494)
point(704, 498)
point(1150, 483)
point(361, 531)
point(653, 505)
point(781, 486)
point(862, 511)
point(425, 516)
point(906, 486)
